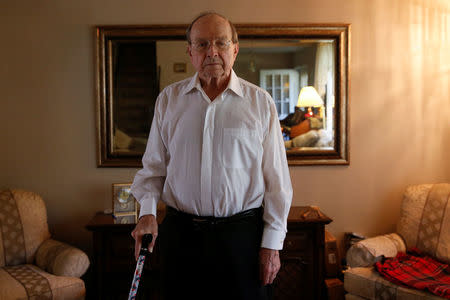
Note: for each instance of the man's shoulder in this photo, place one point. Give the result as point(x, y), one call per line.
point(178, 86)
point(248, 85)
point(251, 89)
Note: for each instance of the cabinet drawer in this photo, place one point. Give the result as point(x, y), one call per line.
point(123, 247)
point(119, 245)
point(297, 241)
point(295, 280)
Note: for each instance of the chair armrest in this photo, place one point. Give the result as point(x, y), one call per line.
point(61, 259)
point(366, 252)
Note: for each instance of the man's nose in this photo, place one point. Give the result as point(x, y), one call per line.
point(212, 49)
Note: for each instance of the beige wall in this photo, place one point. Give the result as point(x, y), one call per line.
point(399, 112)
point(168, 53)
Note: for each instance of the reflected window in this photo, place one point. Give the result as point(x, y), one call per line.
point(283, 86)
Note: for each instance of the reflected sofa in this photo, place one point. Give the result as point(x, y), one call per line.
point(424, 224)
point(312, 138)
point(308, 132)
point(32, 265)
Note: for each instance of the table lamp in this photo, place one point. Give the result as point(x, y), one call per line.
point(309, 98)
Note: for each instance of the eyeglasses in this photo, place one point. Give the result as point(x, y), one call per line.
point(201, 46)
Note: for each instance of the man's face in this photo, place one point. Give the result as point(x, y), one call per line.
point(211, 50)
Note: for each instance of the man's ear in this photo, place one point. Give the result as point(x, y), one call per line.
point(236, 49)
point(189, 50)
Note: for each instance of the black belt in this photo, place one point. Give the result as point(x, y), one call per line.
point(211, 220)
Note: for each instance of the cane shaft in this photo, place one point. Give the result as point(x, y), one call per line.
point(146, 240)
point(137, 277)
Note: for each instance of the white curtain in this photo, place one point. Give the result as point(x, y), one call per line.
point(324, 80)
point(324, 67)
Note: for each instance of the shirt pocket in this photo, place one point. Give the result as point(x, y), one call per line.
point(241, 148)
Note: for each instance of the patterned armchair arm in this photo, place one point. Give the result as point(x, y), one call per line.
point(61, 259)
point(366, 252)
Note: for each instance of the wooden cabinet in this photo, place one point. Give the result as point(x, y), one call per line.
point(302, 260)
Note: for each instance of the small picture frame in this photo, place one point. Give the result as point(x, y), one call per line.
point(123, 202)
point(179, 68)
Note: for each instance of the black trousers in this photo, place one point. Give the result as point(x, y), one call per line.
point(209, 258)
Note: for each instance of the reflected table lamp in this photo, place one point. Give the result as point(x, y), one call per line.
point(309, 98)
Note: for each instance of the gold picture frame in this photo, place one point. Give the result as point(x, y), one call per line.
point(123, 125)
point(124, 205)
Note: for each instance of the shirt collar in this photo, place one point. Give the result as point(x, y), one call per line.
point(234, 84)
point(193, 83)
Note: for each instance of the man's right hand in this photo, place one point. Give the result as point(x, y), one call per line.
point(146, 224)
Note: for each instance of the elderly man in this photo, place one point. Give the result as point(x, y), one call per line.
point(215, 157)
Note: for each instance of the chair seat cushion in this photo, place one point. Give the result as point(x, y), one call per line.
point(367, 283)
point(28, 281)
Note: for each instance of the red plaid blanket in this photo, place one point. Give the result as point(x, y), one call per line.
point(417, 271)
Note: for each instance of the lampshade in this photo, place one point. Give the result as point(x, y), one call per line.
point(309, 97)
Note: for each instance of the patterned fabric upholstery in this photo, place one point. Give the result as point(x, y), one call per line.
point(353, 297)
point(425, 219)
point(24, 241)
point(23, 222)
point(424, 223)
point(37, 284)
point(34, 283)
point(368, 284)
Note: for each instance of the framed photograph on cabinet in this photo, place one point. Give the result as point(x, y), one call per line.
point(123, 202)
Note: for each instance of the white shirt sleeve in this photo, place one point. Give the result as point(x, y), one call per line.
point(278, 187)
point(149, 181)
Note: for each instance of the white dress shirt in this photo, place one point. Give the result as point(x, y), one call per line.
point(217, 158)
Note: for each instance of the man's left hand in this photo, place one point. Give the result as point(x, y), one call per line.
point(269, 265)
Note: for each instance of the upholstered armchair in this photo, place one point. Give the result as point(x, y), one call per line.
point(424, 224)
point(32, 265)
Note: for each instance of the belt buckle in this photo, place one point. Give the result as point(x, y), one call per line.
point(207, 222)
point(198, 220)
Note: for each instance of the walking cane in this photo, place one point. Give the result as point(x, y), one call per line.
point(146, 240)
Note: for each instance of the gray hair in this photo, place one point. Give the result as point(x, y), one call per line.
point(234, 35)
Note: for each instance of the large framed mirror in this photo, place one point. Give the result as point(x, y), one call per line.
point(305, 67)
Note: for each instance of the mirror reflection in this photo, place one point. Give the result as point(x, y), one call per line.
point(299, 74)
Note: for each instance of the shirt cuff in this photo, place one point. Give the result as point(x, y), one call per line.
point(149, 205)
point(273, 239)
